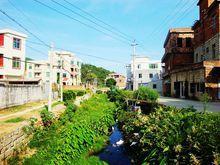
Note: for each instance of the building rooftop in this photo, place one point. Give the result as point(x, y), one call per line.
point(13, 32)
point(177, 30)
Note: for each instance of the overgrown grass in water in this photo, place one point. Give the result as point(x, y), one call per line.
point(77, 134)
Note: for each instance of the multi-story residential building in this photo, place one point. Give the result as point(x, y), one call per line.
point(71, 69)
point(200, 72)
point(178, 54)
point(12, 54)
point(119, 78)
point(143, 71)
point(39, 70)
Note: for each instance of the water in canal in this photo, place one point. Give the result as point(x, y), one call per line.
point(114, 153)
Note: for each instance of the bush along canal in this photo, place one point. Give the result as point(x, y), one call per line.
point(115, 153)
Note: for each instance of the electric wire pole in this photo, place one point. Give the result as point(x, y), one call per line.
point(61, 78)
point(51, 79)
point(134, 44)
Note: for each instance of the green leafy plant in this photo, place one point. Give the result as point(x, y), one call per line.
point(205, 99)
point(47, 117)
point(110, 82)
point(75, 135)
point(69, 95)
point(170, 135)
point(147, 94)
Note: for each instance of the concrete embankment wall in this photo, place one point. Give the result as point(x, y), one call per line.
point(12, 95)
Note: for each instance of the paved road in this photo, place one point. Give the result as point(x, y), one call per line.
point(182, 103)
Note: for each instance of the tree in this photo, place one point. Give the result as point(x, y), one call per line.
point(90, 72)
point(110, 82)
point(147, 94)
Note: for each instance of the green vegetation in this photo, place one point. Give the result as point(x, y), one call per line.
point(205, 99)
point(78, 133)
point(171, 135)
point(90, 72)
point(110, 82)
point(146, 94)
point(167, 135)
point(15, 120)
point(69, 95)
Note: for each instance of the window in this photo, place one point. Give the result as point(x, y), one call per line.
point(202, 57)
point(72, 62)
point(1, 60)
point(37, 74)
point(48, 74)
point(1, 76)
point(213, 51)
point(192, 87)
point(207, 50)
point(200, 87)
point(154, 86)
point(179, 42)
point(139, 66)
point(188, 42)
point(37, 66)
point(151, 75)
point(16, 63)
point(140, 75)
point(214, 23)
point(153, 66)
point(1, 39)
point(30, 66)
point(16, 43)
point(64, 75)
point(30, 75)
point(197, 57)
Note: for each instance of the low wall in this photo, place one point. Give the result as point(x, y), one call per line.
point(10, 142)
point(16, 94)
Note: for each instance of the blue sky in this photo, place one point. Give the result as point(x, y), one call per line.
point(147, 21)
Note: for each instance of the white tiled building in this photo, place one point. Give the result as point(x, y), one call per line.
point(144, 72)
point(12, 54)
point(71, 71)
point(71, 67)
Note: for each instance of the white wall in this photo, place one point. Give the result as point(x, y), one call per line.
point(8, 51)
point(12, 95)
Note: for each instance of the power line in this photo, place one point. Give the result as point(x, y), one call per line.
point(46, 45)
point(107, 29)
point(165, 20)
point(12, 19)
point(20, 11)
point(98, 19)
point(87, 25)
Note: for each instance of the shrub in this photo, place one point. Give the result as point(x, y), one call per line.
point(69, 95)
point(205, 99)
point(99, 92)
point(147, 94)
point(46, 117)
point(173, 136)
point(80, 93)
point(110, 82)
point(73, 137)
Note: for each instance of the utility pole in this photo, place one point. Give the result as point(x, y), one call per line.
point(51, 79)
point(134, 44)
point(61, 78)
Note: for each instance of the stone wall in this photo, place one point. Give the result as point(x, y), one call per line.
point(12, 95)
point(10, 142)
